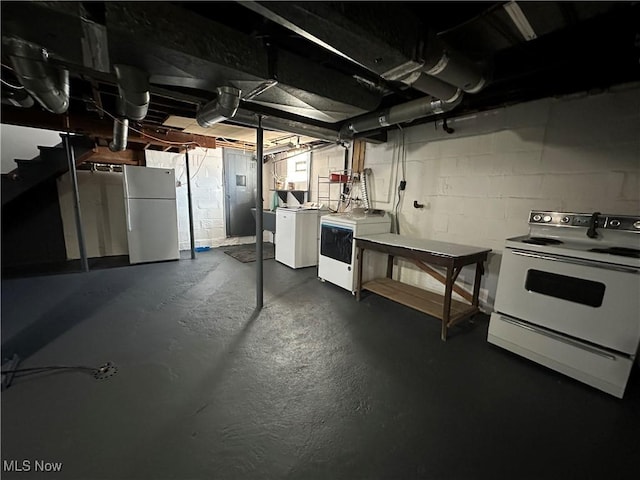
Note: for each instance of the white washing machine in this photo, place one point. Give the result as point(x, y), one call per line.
point(297, 233)
point(337, 262)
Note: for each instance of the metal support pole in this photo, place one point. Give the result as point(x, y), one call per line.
point(259, 209)
point(71, 160)
point(189, 201)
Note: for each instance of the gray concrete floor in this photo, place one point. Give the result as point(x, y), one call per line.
point(314, 386)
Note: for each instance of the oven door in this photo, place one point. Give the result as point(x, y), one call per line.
point(593, 301)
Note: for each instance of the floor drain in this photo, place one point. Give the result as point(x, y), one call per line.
point(106, 371)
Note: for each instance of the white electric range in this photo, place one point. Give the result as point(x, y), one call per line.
point(568, 296)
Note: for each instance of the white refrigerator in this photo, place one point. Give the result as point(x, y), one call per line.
point(152, 217)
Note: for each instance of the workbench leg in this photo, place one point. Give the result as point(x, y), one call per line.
point(476, 284)
point(390, 266)
point(360, 254)
point(446, 309)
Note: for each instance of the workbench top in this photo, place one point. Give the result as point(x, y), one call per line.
point(434, 247)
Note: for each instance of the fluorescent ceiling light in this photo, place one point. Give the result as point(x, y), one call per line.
point(520, 20)
point(278, 148)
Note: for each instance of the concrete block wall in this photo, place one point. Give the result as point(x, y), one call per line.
point(207, 188)
point(579, 153)
point(322, 162)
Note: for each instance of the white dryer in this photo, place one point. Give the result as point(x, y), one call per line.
point(337, 262)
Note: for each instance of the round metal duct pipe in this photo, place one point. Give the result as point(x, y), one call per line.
point(120, 135)
point(402, 113)
point(47, 84)
point(133, 88)
point(452, 67)
point(433, 86)
point(222, 108)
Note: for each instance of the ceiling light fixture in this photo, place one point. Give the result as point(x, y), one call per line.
point(278, 148)
point(520, 20)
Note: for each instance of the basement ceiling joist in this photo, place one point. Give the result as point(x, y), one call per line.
point(324, 72)
point(234, 132)
point(93, 127)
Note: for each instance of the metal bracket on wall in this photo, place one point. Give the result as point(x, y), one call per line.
point(298, 195)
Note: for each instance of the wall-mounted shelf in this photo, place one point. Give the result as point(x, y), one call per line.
point(298, 195)
point(331, 196)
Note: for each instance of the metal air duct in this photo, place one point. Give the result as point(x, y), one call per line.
point(120, 135)
point(364, 188)
point(133, 89)
point(222, 108)
point(387, 40)
point(47, 84)
point(452, 67)
point(133, 102)
point(405, 112)
point(433, 86)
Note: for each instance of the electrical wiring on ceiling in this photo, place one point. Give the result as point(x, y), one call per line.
point(10, 85)
point(167, 142)
point(144, 134)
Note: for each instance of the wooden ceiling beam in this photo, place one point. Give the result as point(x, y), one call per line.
point(125, 157)
point(96, 128)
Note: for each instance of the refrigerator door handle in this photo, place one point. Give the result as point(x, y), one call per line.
point(126, 182)
point(128, 213)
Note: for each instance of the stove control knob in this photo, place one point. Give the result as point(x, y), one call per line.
point(636, 225)
point(537, 217)
point(614, 223)
point(565, 219)
point(546, 218)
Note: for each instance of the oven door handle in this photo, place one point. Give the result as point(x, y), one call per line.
point(559, 338)
point(575, 261)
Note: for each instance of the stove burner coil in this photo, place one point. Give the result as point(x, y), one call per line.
point(542, 241)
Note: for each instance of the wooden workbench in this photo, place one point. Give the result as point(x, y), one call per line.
point(452, 256)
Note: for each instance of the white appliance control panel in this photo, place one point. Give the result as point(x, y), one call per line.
point(585, 220)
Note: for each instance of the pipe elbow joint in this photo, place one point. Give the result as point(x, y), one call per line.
point(133, 90)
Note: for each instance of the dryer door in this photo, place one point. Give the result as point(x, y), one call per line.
point(336, 242)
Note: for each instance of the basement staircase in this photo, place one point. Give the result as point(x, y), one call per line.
point(50, 163)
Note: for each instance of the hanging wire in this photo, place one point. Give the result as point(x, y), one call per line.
point(401, 159)
point(21, 372)
point(192, 177)
point(10, 85)
point(204, 156)
point(166, 142)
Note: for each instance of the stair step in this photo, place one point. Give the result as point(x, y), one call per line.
point(34, 162)
point(44, 148)
point(51, 162)
point(53, 154)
